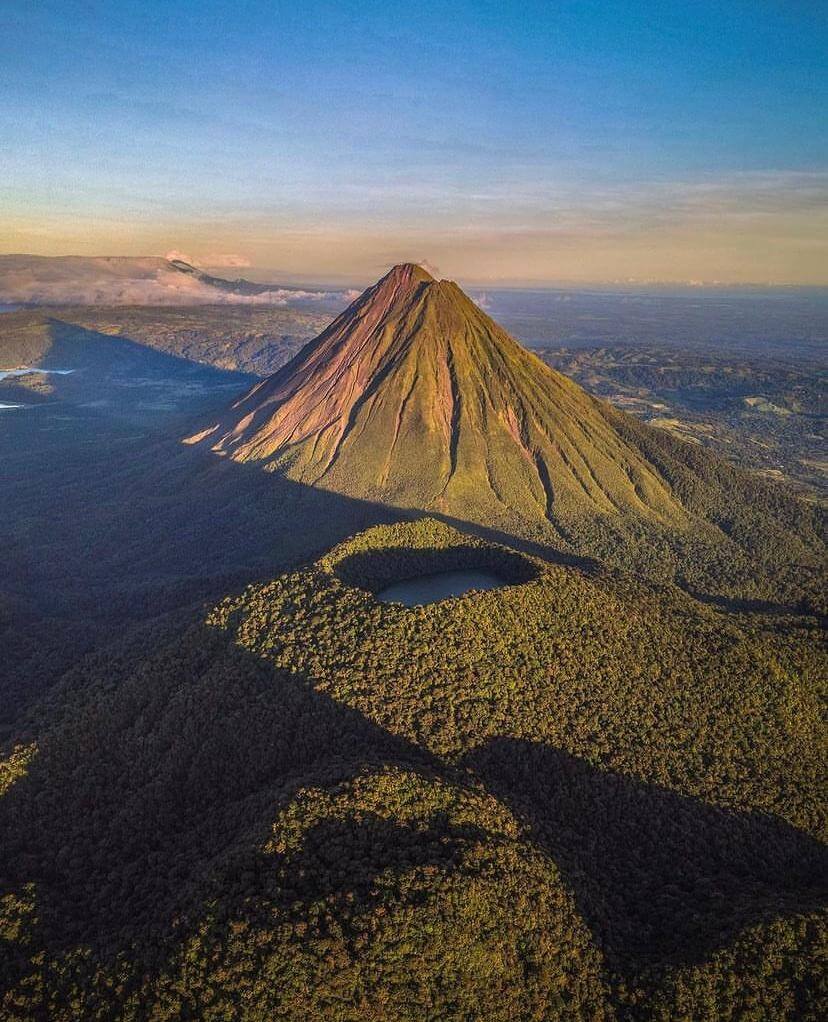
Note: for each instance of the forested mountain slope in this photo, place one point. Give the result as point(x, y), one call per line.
point(578, 796)
point(414, 398)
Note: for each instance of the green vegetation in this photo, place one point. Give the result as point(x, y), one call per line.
point(585, 795)
point(567, 658)
point(413, 397)
point(759, 410)
point(448, 414)
point(580, 796)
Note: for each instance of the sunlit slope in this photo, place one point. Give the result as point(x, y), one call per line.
point(414, 397)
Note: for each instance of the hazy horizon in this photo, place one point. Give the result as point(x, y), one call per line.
point(345, 280)
point(574, 143)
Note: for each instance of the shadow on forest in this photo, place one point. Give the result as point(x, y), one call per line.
point(659, 877)
point(344, 857)
point(102, 531)
point(164, 787)
point(105, 528)
point(157, 797)
point(546, 551)
point(161, 786)
point(128, 375)
point(744, 606)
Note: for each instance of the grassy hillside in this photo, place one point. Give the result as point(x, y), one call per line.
point(414, 398)
point(580, 796)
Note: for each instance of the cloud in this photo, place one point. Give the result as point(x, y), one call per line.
point(726, 202)
point(737, 227)
point(181, 257)
point(429, 268)
point(91, 281)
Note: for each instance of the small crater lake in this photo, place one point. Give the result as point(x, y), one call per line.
point(414, 592)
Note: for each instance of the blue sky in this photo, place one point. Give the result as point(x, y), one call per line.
point(522, 142)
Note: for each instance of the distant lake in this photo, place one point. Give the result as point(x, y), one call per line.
point(23, 370)
point(414, 592)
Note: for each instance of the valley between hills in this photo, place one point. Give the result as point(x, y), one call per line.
point(236, 784)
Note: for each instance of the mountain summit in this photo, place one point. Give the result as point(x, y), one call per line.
point(414, 396)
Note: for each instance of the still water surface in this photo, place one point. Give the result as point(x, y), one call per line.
point(431, 588)
point(25, 370)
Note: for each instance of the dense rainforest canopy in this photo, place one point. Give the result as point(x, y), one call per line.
point(580, 796)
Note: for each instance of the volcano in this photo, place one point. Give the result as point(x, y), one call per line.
point(414, 398)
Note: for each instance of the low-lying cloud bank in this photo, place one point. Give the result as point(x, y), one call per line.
point(214, 260)
point(40, 280)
